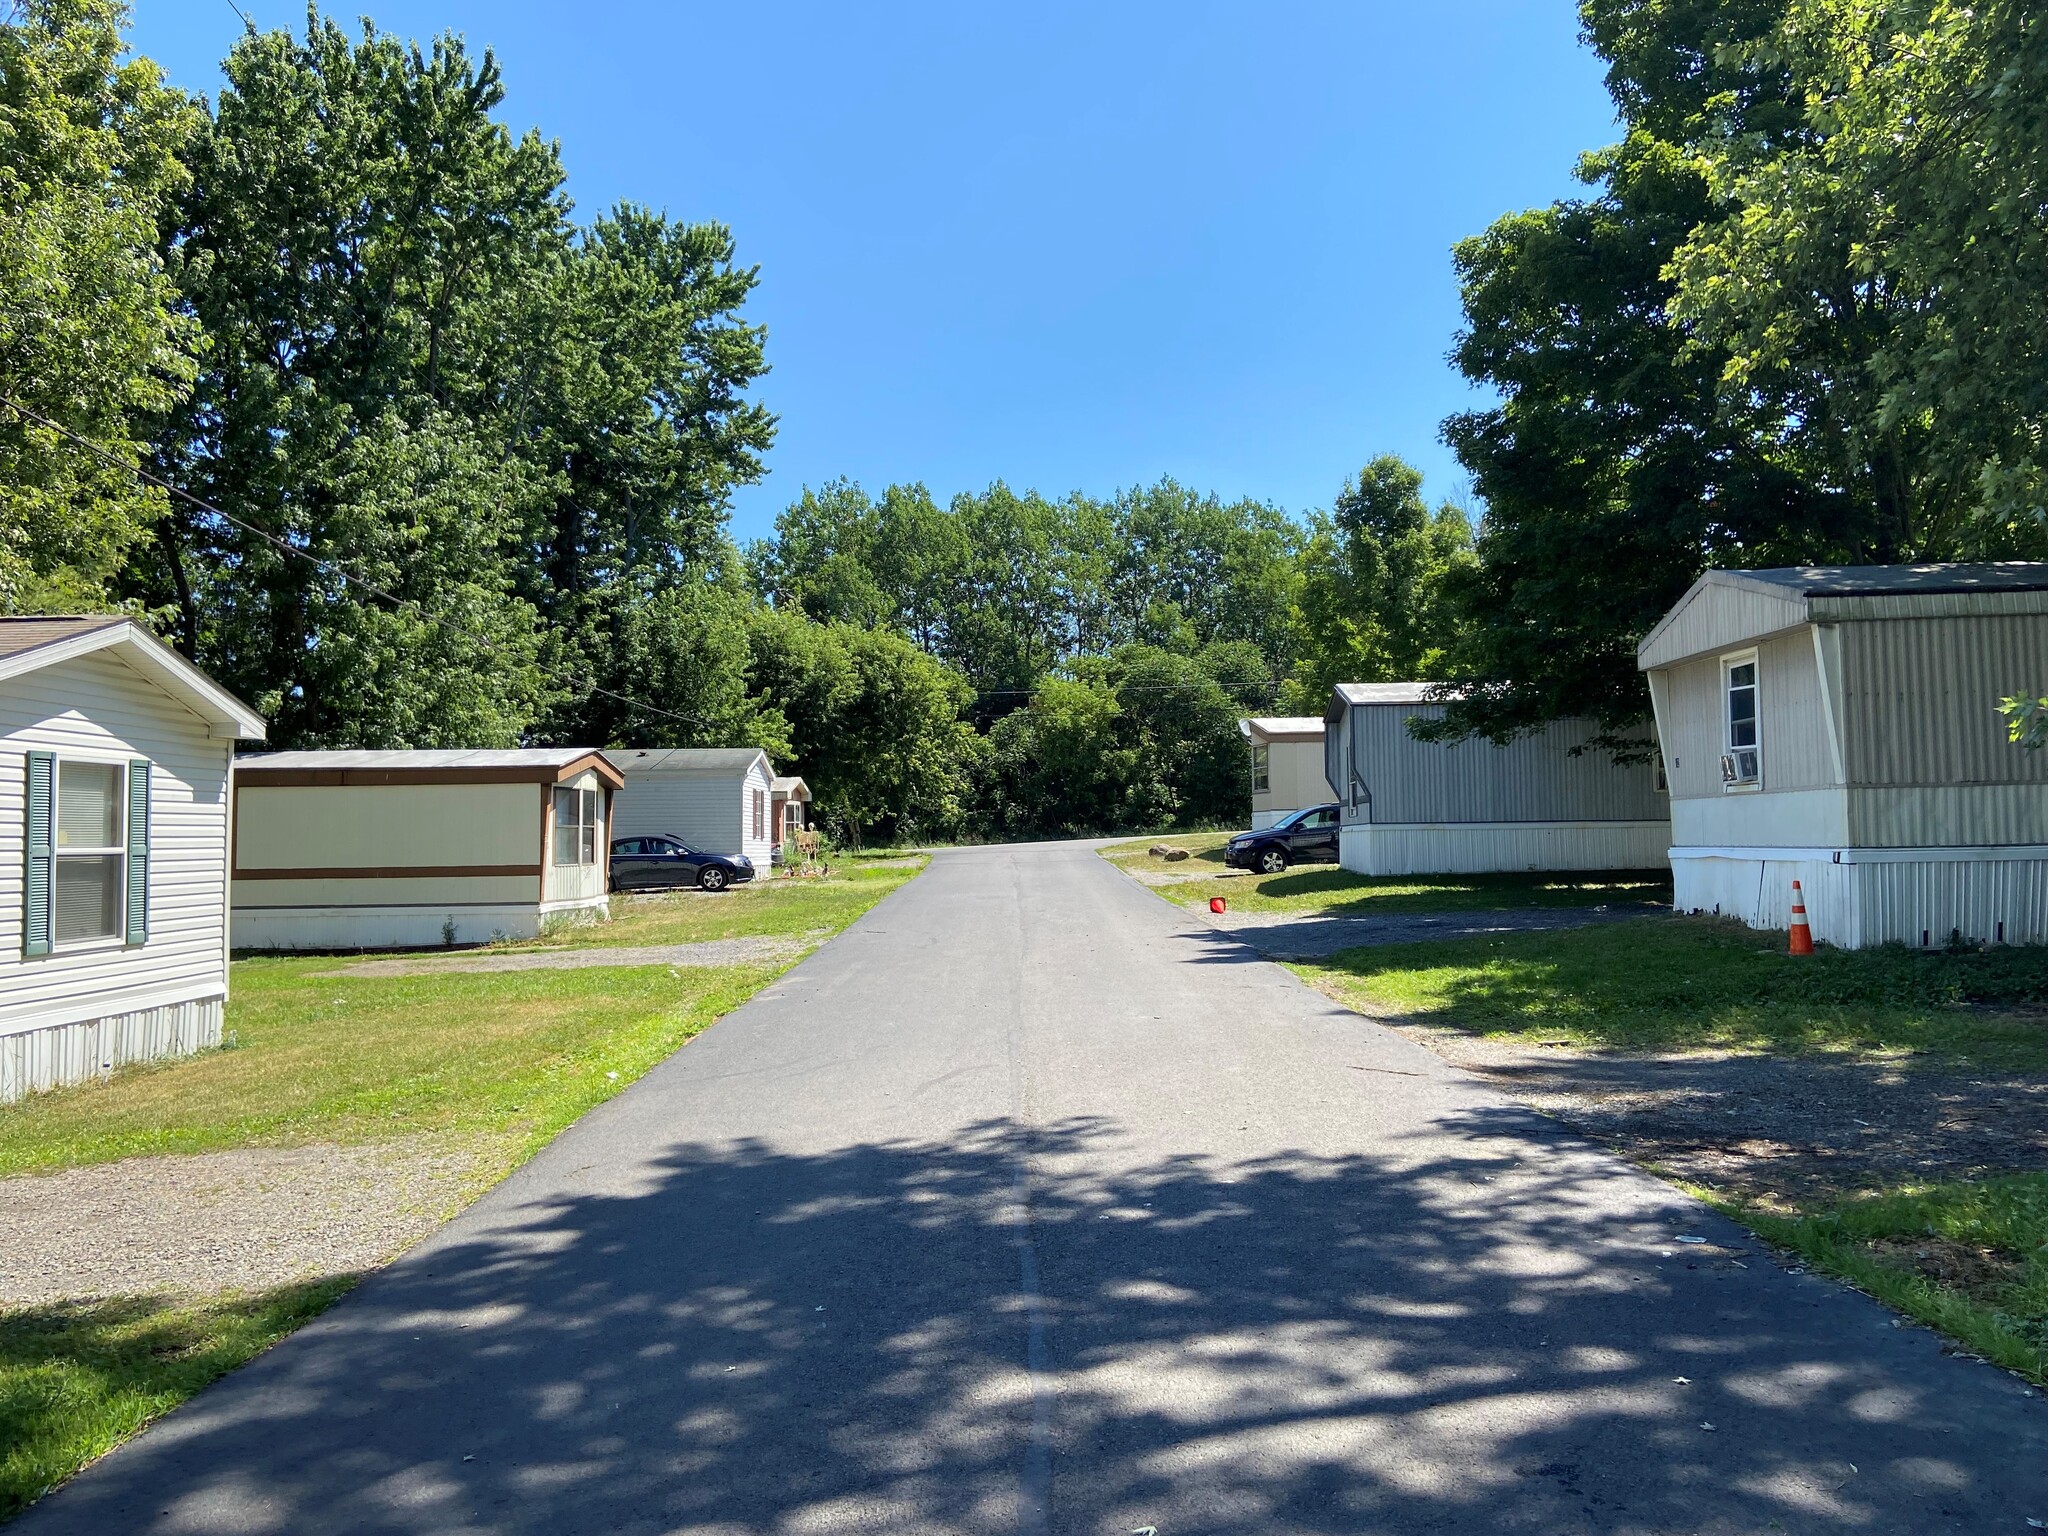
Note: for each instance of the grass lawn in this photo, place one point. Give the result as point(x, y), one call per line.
point(765, 906)
point(1967, 1257)
point(500, 1062)
point(1325, 888)
point(78, 1379)
point(1676, 983)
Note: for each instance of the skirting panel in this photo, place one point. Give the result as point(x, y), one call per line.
point(285, 928)
point(40, 1059)
point(1864, 901)
point(1476, 848)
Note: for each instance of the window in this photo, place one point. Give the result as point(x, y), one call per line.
point(1741, 763)
point(577, 827)
point(91, 852)
point(86, 879)
point(1262, 768)
point(760, 814)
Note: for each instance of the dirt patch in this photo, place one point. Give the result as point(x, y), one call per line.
point(1979, 1272)
point(1783, 1132)
point(710, 953)
point(253, 1217)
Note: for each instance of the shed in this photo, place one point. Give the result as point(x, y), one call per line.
point(1839, 725)
point(403, 849)
point(789, 810)
point(713, 798)
point(1545, 800)
point(1287, 766)
point(114, 775)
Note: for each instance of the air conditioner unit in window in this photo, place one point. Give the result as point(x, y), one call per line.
point(1739, 766)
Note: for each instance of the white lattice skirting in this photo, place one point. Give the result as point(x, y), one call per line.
point(37, 1059)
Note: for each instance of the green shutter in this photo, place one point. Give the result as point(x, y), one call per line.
point(138, 851)
point(36, 879)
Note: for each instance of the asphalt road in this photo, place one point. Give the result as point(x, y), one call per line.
point(1032, 1205)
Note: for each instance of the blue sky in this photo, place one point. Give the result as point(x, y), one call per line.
point(1072, 246)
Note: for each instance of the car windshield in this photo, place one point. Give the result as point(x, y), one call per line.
point(1295, 818)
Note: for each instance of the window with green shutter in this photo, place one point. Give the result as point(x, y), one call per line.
point(41, 854)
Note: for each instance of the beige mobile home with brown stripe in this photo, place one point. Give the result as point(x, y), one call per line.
point(114, 770)
point(1840, 726)
point(384, 850)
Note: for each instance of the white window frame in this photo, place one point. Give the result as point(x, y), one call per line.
point(1738, 785)
point(579, 851)
point(118, 939)
point(1262, 768)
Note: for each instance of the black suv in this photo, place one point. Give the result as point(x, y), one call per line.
point(1306, 837)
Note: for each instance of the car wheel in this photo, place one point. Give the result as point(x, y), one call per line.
point(711, 878)
point(1271, 861)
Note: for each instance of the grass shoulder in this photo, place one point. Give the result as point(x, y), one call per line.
point(1323, 889)
point(1689, 983)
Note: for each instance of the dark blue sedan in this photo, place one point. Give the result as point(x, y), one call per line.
point(664, 863)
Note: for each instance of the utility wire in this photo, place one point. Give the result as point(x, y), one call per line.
point(328, 567)
point(239, 12)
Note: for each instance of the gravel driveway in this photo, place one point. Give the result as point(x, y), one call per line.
point(250, 1218)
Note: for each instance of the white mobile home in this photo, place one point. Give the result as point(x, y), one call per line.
point(114, 778)
point(387, 850)
point(1420, 807)
point(1840, 726)
point(716, 799)
point(1287, 766)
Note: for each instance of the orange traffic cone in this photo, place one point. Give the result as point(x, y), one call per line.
point(1217, 904)
point(1802, 936)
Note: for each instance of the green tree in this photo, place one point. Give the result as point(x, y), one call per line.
point(1884, 287)
point(1620, 461)
point(91, 165)
point(1372, 604)
point(1183, 569)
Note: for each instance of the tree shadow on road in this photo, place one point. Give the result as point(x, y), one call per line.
point(747, 1338)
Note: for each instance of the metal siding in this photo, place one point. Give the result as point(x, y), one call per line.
point(1858, 905)
point(1534, 778)
point(1949, 816)
point(1467, 849)
point(1920, 699)
point(1792, 723)
point(380, 826)
point(1722, 617)
point(1692, 755)
point(99, 706)
point(37, 1060)
point(707, 813)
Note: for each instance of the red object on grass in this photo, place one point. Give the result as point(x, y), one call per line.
point(1216, 904)
point(1802, 934)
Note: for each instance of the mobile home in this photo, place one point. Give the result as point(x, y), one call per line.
point(114, 776)
point(1286, 766)
point(404, 849)
point(1546, 800)
point(1840, 726)
point(717, 799)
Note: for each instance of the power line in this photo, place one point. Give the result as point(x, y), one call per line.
point(328, 567)
point(238, 11)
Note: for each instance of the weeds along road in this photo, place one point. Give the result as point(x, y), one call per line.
point(1031, 1204)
